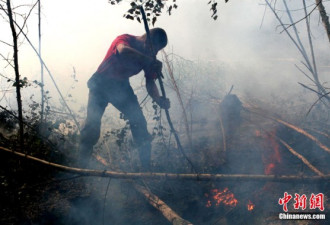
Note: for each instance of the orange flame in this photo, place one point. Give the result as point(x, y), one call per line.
point(271, 157)
point(250, 206)
point(269, 168)
point(224, 197)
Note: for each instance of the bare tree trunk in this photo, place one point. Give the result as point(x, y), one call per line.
point(325, 18)
point(17, 76)
point(41, 66)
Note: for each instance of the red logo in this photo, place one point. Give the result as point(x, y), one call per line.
point(300, 201)
point(316, 201)
point(284, 201)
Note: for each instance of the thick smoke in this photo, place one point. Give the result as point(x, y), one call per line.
point(244, 52)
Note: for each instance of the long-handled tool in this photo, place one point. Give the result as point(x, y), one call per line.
point(161, 85)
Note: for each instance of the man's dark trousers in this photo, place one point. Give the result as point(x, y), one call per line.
point(120, 94)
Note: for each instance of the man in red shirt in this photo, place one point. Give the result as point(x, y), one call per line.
point(127, 56)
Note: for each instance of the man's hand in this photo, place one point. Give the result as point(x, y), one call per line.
point(164, 103)
point(152, 89)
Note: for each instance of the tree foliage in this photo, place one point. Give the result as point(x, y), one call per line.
point(214, 9)
point(154, 9)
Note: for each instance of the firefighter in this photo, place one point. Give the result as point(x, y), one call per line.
point(127, 56)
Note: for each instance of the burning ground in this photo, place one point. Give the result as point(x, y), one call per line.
point(240, 137)
point(231, 134)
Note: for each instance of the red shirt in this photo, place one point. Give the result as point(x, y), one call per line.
point(115, 67)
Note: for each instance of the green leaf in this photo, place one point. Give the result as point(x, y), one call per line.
point(129, 17)
point(214, 12)
point(169, 10)
point(154, 21)
point(131, 11)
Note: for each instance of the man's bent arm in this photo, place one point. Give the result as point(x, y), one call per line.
point(131, 54)
point(152, 89)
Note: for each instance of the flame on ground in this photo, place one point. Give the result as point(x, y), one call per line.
point(218, 196)
point(250, 206)
point(271, 155)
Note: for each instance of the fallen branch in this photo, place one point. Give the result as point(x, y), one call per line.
point(302, 158)
point(299, 130)
point(172, 176)
point(299, 156)
point(155, 201)
point(320, 132)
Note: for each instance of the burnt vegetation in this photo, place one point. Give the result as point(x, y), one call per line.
point(222, 132)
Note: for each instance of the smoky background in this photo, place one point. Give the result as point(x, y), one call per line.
point(244, 50)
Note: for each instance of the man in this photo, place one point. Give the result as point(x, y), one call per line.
point(127, 56)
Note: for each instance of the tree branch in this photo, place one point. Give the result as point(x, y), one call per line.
point(177, 91)
point(310, 109)
point(293, 127)
point(51, 77)
point(305, 17)
point(172, 176)
point(301, 49)
point(318, 93)
point(156, 202)
point(6, 43)
point(26, 18)
point(302, 158)
point(7, 60)
point(325, 18)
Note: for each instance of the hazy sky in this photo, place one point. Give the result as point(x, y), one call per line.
point(77, 33)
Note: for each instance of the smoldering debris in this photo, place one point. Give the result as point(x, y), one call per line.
point(253, 147)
